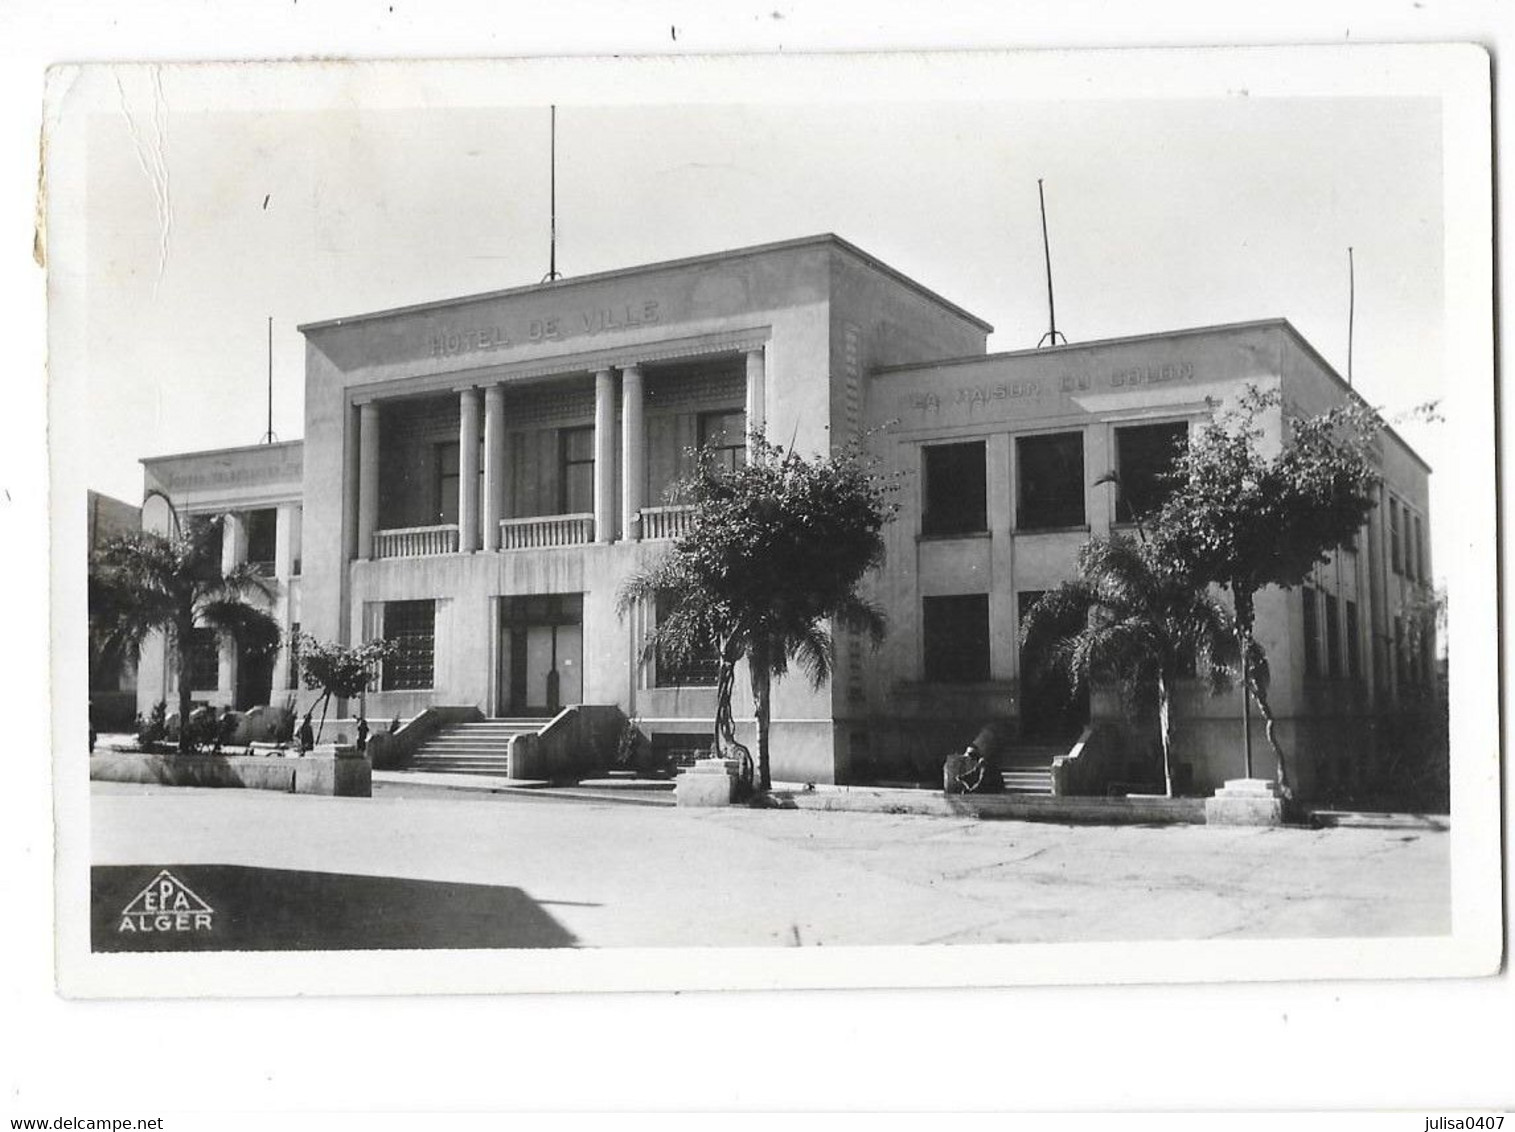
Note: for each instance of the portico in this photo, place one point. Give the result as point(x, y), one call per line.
point(544, 462)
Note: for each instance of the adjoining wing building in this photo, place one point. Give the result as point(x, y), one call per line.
point(479, 474)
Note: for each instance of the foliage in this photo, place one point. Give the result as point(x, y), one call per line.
point(775, 553)
point(153, 729)
point(1243, 518)
point(628, 745)
point(1132, 620)
point(204, 730)
point(144, 583)
point(337, 670)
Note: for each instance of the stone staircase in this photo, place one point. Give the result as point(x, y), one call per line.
point(1027, 769)
point(473, 748)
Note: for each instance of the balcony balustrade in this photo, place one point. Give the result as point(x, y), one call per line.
point(546, 530)
point(415, 542)
point(666, 522)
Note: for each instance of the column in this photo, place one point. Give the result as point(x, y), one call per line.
point(468, 471)
point(633, 452)
point(368, 477)
point(494, 464)
point(604, 456)
point(757, 395)
point(233, 554)
point(284, 541)
point(284, 561)
point(233, 541)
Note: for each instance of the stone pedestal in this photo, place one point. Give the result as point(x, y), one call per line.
point(950, 770)
point(710, 782)
point(1245, 801)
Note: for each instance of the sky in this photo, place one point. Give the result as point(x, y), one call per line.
point(1162, 214)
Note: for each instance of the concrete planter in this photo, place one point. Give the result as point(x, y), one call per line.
point(710, 782)
point(330, 770)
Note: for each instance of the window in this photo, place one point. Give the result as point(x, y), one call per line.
point(955, 634)
point(413, 626)
point(293, 680)
point(204, 660)
point(698, 671)
point(1144, 455)
point(1354, 646)
point(296, 523)
point(1333, 637)
point(262, 538)
point(725, 433)
point(1051, 481)
point(1312, 633)
point(953, 486)
point(1394, 557)
point(447, 482)
point(575, 471)
point(1420, 561)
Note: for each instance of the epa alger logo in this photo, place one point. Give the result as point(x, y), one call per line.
point(166, 905)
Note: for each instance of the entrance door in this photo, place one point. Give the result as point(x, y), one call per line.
point(255, 680)
point(1048, 712)
point(542, 640)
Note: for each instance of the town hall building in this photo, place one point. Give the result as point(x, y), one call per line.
point(478, 475)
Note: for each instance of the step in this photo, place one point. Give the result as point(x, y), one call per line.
point(460, 756)
point(482, 732)
point(498, 725)
point(492, 770)
point(650, 784)
point(468, 741)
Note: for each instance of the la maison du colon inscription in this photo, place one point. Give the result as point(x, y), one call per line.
point(548, 328)
point(975, 397)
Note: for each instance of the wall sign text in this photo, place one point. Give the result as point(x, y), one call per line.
point(549, 328)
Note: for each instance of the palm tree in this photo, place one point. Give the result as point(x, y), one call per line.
point(1130, 620)
point(789, 628)
point(776, 552)
point(145, 583)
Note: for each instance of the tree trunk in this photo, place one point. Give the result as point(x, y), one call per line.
point(325, 703)
point(1261, 699)
point(762, 686)
point(183, 632)
point(1165, 730)
point(725, 727)
point(1246, 612)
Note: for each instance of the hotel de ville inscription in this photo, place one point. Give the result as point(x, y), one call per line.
point(549, 328)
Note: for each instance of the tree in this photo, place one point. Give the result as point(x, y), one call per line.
point(776, 551)
point(144, 583)
point(1131, 619)
point(335, 670)
point(1242, 518)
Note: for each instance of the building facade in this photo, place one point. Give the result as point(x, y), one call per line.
point(258, 490)
point(478, 476)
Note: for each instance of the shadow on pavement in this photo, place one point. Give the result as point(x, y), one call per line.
point(239, 908)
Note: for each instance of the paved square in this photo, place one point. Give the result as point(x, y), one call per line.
point(610, 875)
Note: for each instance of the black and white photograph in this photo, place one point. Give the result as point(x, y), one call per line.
point(924, 520)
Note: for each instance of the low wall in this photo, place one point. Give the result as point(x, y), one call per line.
point(579, 743)
point(1003, 807)
point(344, 775)
point(390, 750)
